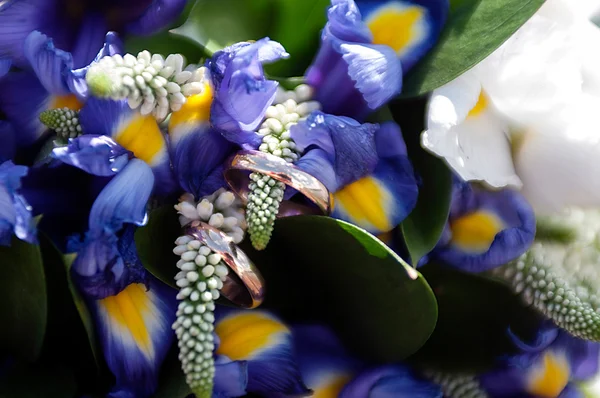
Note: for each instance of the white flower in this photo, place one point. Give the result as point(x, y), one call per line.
point(526, 116)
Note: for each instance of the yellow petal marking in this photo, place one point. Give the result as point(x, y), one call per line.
point(246, 334)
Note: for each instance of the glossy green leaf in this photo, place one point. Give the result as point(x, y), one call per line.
point(155, 242)
point(424, 226)
point(70, 335)
point(328, 270)
point(297, 26)
point(217, 24)
point(39, 382)
point(166, 43)
point(474, 315)
point(475, 28)
point(23, 301)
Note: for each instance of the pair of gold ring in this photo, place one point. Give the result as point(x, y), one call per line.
point(244, 285)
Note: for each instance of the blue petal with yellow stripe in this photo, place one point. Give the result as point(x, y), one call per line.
point(409, 27)
point(242, 92)
point(325, 364)
point(379, 201)
point(351, 74)
point(135, 132)
point(134, 327)
point(551, 371)
point(485, 229)
point(265, 344)
point(197, 149)
point(365, 166)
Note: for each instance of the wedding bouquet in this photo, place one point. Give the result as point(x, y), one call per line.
point(281, 198)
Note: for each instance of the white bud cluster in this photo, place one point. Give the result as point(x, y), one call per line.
point(201, 276)
point(457, 385)
point(150, 82)
point(561, 278)
point(222, 210)
point(280, 117)
point(266, 193)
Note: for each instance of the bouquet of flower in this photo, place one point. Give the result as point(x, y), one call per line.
point(282, 198)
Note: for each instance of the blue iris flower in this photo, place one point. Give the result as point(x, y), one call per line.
point(485, 229)
point(551, 366)
point(79, 26)
point(48, 83)
point(15, 212)
point(328, 369)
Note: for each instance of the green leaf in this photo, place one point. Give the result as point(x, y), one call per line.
point(155, 242)
point(217, 24)
point(23, 301)
point(320, 268)
point(297, 26)
point(474, 314)
point(171, 383)
point(38, 382)
point(425, 224)
point(475, 28)
point(70, 333)
point(166, 43)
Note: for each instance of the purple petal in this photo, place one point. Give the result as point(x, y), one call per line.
point(349, 144)
point(195, 155)
point(390, 381)
point(231, 377)
point(317, 163)
point(15, 212)
point(95, 154)
point(124, 199)
point(8, 139)
point(513, 238)
point(158, 15)
point(5, 64)
point(23, 99)
point(18, 18)
point(90, 39)
point(49, 63)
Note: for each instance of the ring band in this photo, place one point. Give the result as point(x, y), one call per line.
point(280, 170)
point(245, 286)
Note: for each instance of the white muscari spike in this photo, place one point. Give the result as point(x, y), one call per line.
point(559, 275)
point(148, 82)
point(222, 210)
point(201, 276)
point(266, 193)
point(457, 385)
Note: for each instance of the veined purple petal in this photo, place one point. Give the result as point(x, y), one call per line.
point(124, 199)
point(504, 212)
point(159, 14)
point(318, 164)
point(15, 212)
point(5, 64)
point(48, 62)
point(90, 39)
point(349, 144)
point(23, 99)
point(95, 154)
point(231, 377)
point(8, 139)
point(136, 343)
point(242, 93)
point(196, 154)
point(18, 18)
point(388, 382)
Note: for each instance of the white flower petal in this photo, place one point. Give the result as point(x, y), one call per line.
point(559, 161)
